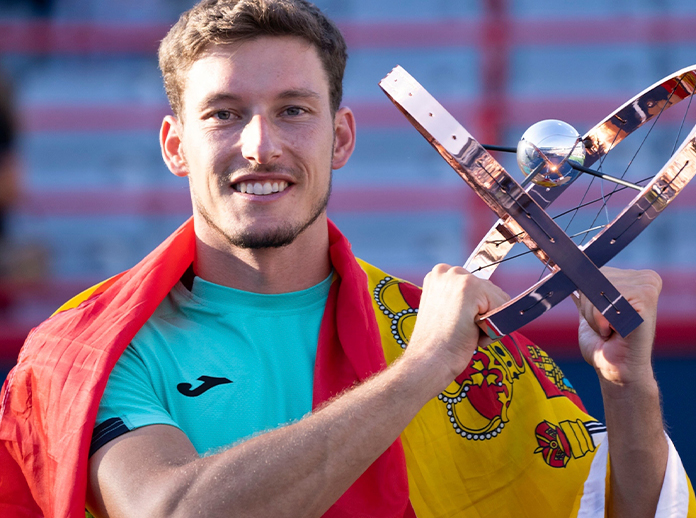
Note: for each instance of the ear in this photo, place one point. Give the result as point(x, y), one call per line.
point(344, 140)
point(172, 150)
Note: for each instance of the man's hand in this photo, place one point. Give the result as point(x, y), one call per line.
point(637, 446)
point(616, 359)
point(446, 329)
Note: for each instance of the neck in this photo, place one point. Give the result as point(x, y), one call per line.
point(297, 266)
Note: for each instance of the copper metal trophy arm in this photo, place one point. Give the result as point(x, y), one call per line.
point(505, 196)
point(647, 205)
point(598, 141)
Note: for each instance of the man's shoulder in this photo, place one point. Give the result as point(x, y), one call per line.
point(65, 322)
point(88, 294)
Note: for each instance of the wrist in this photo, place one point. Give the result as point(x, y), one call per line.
point(624, 371)
point(633, 416)
point(433, 371)
point(641, 383)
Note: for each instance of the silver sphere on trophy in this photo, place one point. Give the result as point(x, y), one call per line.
point(547, 152)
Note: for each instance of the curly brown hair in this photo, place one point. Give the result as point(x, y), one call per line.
point(227, 21)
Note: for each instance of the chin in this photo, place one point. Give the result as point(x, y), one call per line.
point(269, 236)
point(258, 235)
point(272, 238)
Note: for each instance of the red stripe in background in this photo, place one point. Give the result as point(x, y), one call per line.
point(674, 338)
point(174, 202)
point(377, 114)
point(93, 117)
point(556, 331)
point(144, 202)
point(57, 37)
point(170, 201)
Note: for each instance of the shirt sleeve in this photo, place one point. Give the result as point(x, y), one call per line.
point(129, 401)
point(676, 497)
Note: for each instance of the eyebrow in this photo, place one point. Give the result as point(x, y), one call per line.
point(222, 97)
point(301, 93)
point(218, 98)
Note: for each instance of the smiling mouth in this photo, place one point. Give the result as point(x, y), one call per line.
point(259, 188)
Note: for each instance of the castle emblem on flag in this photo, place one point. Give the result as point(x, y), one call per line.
point(570, 439)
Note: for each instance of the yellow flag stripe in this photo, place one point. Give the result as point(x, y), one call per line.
point(87, 294)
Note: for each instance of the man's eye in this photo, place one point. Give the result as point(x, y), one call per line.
point(294, 110)
point(223, 115)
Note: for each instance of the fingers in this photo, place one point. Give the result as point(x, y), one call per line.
point(641, 288)
point(447, 319)
point(481, 294)
point(622, 361)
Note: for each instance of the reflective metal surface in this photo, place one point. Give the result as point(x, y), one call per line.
point(598, 141)
point(507, 198)
point(659, 193)
point(546, 150)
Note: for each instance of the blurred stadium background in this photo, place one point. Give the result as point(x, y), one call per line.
point(97, 196)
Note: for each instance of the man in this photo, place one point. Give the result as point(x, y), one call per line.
point(211, 355)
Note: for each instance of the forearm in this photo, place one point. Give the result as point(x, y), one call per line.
point(301, 469)
point(638, 449)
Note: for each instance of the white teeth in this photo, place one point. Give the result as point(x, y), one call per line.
point(261, 189)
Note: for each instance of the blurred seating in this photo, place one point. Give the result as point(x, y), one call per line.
point(97, 197)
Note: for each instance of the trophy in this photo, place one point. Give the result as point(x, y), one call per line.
point(552, 156)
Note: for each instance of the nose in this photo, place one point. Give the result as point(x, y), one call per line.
point(259, 143)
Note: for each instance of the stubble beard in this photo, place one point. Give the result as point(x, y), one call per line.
point(282, 235)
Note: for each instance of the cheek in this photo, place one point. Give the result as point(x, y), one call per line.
point(204, 158)
point(323, 147)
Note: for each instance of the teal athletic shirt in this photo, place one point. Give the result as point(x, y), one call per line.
point(219, 363)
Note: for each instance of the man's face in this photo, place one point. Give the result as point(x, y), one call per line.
point(257, 140)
